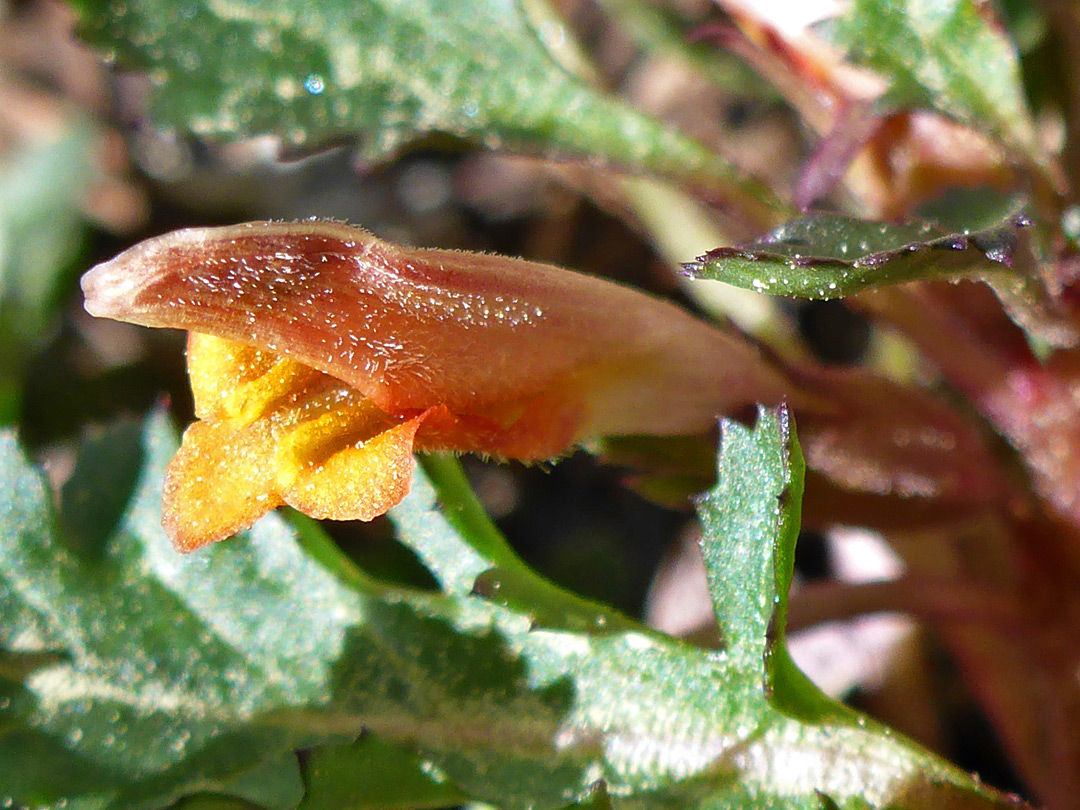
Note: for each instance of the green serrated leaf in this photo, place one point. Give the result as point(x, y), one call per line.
point(319, 73)
point(751, 523)
point(755, 509)
point(952, 56)
point(444, 523)
point(125, 716)
point(145, 676)
point(182, 674)
point(823, 256)
point(831, 255)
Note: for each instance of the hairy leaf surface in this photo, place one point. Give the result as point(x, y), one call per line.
point(315, 74)
point(833, 255)
point(132, 676)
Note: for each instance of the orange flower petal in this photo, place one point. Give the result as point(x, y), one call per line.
point(359, 481)
point(219, 482)
point(281, 433)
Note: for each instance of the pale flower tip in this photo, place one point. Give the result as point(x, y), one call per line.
point(109, 289)
point(113, 289)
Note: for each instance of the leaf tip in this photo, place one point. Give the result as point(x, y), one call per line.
point(693, 269)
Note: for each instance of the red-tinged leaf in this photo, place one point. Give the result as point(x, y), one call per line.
point(887, 439)
point(831, 504)
point(985, 356)
point(1023, 671)
point(880, 455)
point(891, 156)
point(954, 56)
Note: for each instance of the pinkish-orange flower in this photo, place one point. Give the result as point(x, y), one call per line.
point(321, 358)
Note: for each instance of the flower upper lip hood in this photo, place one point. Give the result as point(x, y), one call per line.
point(413, 329)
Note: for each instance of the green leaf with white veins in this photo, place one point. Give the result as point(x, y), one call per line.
point(132, 676)
point(318, 73)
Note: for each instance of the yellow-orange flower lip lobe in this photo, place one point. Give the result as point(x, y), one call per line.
point(474, 352)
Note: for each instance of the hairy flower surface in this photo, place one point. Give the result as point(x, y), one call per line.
point(321, 357)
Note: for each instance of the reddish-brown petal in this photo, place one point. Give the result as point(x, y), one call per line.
point(492, 339)
point(885, 439)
